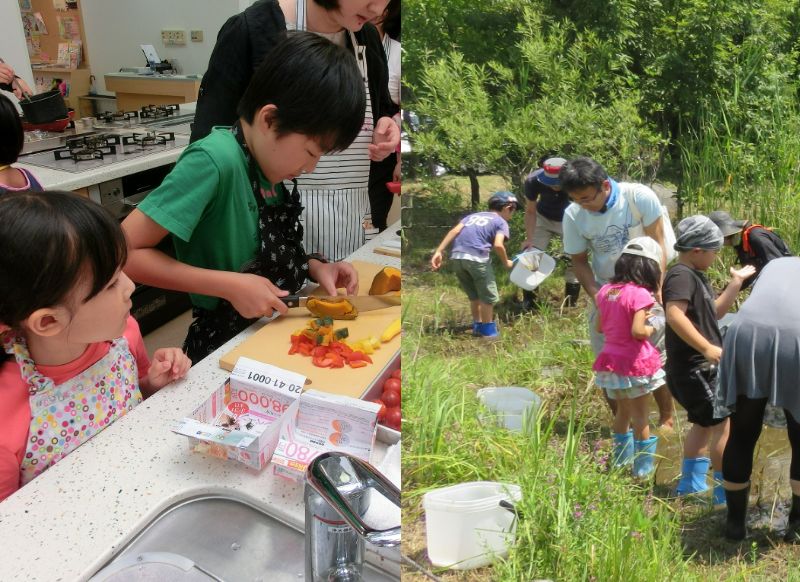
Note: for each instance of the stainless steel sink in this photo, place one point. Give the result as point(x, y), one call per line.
point(224, 539)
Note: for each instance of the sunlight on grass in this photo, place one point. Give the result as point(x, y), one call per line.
point(581, 520)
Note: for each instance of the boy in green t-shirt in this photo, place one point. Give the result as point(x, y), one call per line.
point(236, 228)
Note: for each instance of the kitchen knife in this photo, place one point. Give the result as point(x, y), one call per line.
point(360, 302)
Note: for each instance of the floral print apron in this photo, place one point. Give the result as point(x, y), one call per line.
point(64, 416)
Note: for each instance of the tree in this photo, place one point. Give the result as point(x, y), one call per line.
point(462, 133)
point(566, 93)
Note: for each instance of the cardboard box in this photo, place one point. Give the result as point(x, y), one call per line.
point(324, 422)
point(241, 420)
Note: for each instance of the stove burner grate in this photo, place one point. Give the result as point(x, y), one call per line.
point(158, 111)
point(84, 154)
point(149, 138)
point(117, 116)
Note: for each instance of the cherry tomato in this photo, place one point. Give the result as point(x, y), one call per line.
point(391, 398)
point(396, 374)
point(393, 418)
point(391, 385)
point(382, 411)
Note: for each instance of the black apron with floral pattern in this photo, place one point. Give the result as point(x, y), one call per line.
point(280, 258)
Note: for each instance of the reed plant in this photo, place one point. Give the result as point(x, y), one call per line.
point(745, 162)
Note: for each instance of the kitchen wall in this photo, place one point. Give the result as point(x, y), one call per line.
point(12, 40)
point(115, 28)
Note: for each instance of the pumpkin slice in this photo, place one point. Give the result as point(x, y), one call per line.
point(386, 281)
point(334, 308)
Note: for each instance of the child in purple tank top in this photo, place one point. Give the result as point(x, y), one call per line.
point(473, 237)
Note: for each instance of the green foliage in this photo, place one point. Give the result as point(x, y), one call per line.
point(454, 96)
point(702, 90)
point(480, 30)
point(567, 92)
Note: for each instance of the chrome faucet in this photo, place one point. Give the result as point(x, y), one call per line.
point(337, 495)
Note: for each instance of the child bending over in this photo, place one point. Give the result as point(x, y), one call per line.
point(474, 237)
point(236, 228)
point(693, 341)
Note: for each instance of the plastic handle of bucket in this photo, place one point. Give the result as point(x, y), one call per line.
point(510, 507)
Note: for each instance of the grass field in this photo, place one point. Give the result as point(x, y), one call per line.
point(581, 520)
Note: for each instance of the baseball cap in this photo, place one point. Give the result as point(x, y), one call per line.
point(502, 198)
point(726, 224)
point(550, 169)
point(644, 246)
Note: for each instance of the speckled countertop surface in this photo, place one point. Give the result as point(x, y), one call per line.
point(69, 521)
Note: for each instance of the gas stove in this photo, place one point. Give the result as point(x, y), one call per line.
point(90, 151)
point(166, 117)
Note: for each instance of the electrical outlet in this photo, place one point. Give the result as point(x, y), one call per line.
point(173, 36)
point(196, 35)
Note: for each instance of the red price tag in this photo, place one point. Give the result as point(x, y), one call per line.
point(238, 408)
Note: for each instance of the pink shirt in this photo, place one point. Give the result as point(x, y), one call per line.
point(622, 353)
point(15, 412)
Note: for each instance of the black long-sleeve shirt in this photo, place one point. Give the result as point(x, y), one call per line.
point(243, 42)
point(765, 245)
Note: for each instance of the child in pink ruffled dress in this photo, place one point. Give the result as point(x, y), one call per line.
point(629, 367)
point(73, 360)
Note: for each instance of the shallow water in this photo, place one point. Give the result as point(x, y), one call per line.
point(770, 493)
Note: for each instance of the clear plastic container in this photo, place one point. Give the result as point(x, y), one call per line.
point(466, 526)
point(510, 406)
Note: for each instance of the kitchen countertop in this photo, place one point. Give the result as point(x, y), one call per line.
point(58, 180)
point(69, 521)
point(155, 77)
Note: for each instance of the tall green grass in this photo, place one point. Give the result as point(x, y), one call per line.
point(581, 521)
point(749, 167)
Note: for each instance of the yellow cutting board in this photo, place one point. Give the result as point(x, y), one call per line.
point(271, 344)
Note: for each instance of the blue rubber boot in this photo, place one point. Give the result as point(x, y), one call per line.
point(475, 327)
point(718, 497)
point(488, 329)
point(644, 458)
point(693, 476)
point(623, 449)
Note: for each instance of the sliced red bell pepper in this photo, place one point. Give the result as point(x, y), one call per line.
point(337, 361)
point(358, 356)
point(321, 362)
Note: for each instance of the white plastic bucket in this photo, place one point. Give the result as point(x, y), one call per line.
point(511, 406)
point(531, 268)
point(465, 525)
